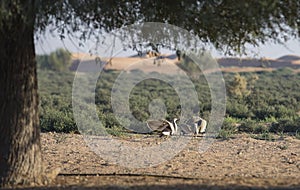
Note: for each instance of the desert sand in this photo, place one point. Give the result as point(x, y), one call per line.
point(241, 162)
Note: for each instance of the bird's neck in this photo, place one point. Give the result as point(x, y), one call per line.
point(171, 127)
point(175, 126)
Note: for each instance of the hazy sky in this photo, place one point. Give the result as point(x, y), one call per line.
point(49, 43)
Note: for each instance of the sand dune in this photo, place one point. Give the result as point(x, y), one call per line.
point(169, 64)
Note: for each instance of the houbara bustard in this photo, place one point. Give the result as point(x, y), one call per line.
point(165, 127)
point(195, 125)
point(199, 125)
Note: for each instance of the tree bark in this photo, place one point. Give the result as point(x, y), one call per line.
point(20, 149)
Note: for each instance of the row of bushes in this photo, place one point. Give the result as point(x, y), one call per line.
point(270, 104)
point(284, 125)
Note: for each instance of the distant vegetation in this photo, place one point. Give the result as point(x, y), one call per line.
point(59, 60)
point(260, 102)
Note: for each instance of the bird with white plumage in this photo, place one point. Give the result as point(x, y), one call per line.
point(165, 127)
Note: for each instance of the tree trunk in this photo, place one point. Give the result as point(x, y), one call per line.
point(20, 150)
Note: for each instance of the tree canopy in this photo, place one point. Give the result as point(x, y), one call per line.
point(228, 25)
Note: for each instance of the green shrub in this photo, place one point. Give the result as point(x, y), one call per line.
point(59, 60)
point(225, 134)
point(264, 111)
point(283, 112)
point(228, 129)
point(271, 119)
point(248, 126)
point(238, 86)
point(229, 124)
point(264, 136)
point(297, 134)
point(56, 114)
point(110, 121)
point(58, 121)
point(116, 131)
point(286, 126)
point(237, 109)
point(261, 128)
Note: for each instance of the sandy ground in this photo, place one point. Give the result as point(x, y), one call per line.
point(238, 163)
point(164, 65)
point(167, 66)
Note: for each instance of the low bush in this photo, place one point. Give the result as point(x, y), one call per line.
point(237, 110)
point(230, 124)
point(225, 134)
point(228, 129)
point(248, 126)
point(56, 114)
point(261, 128)
point(286, 126)
point(297, 135)
point(267, 136)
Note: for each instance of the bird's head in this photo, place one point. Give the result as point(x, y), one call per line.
point(176, 119)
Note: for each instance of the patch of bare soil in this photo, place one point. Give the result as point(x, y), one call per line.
point(238, 163)
point(297, 62)
point(166, 66)
point(296, 70)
